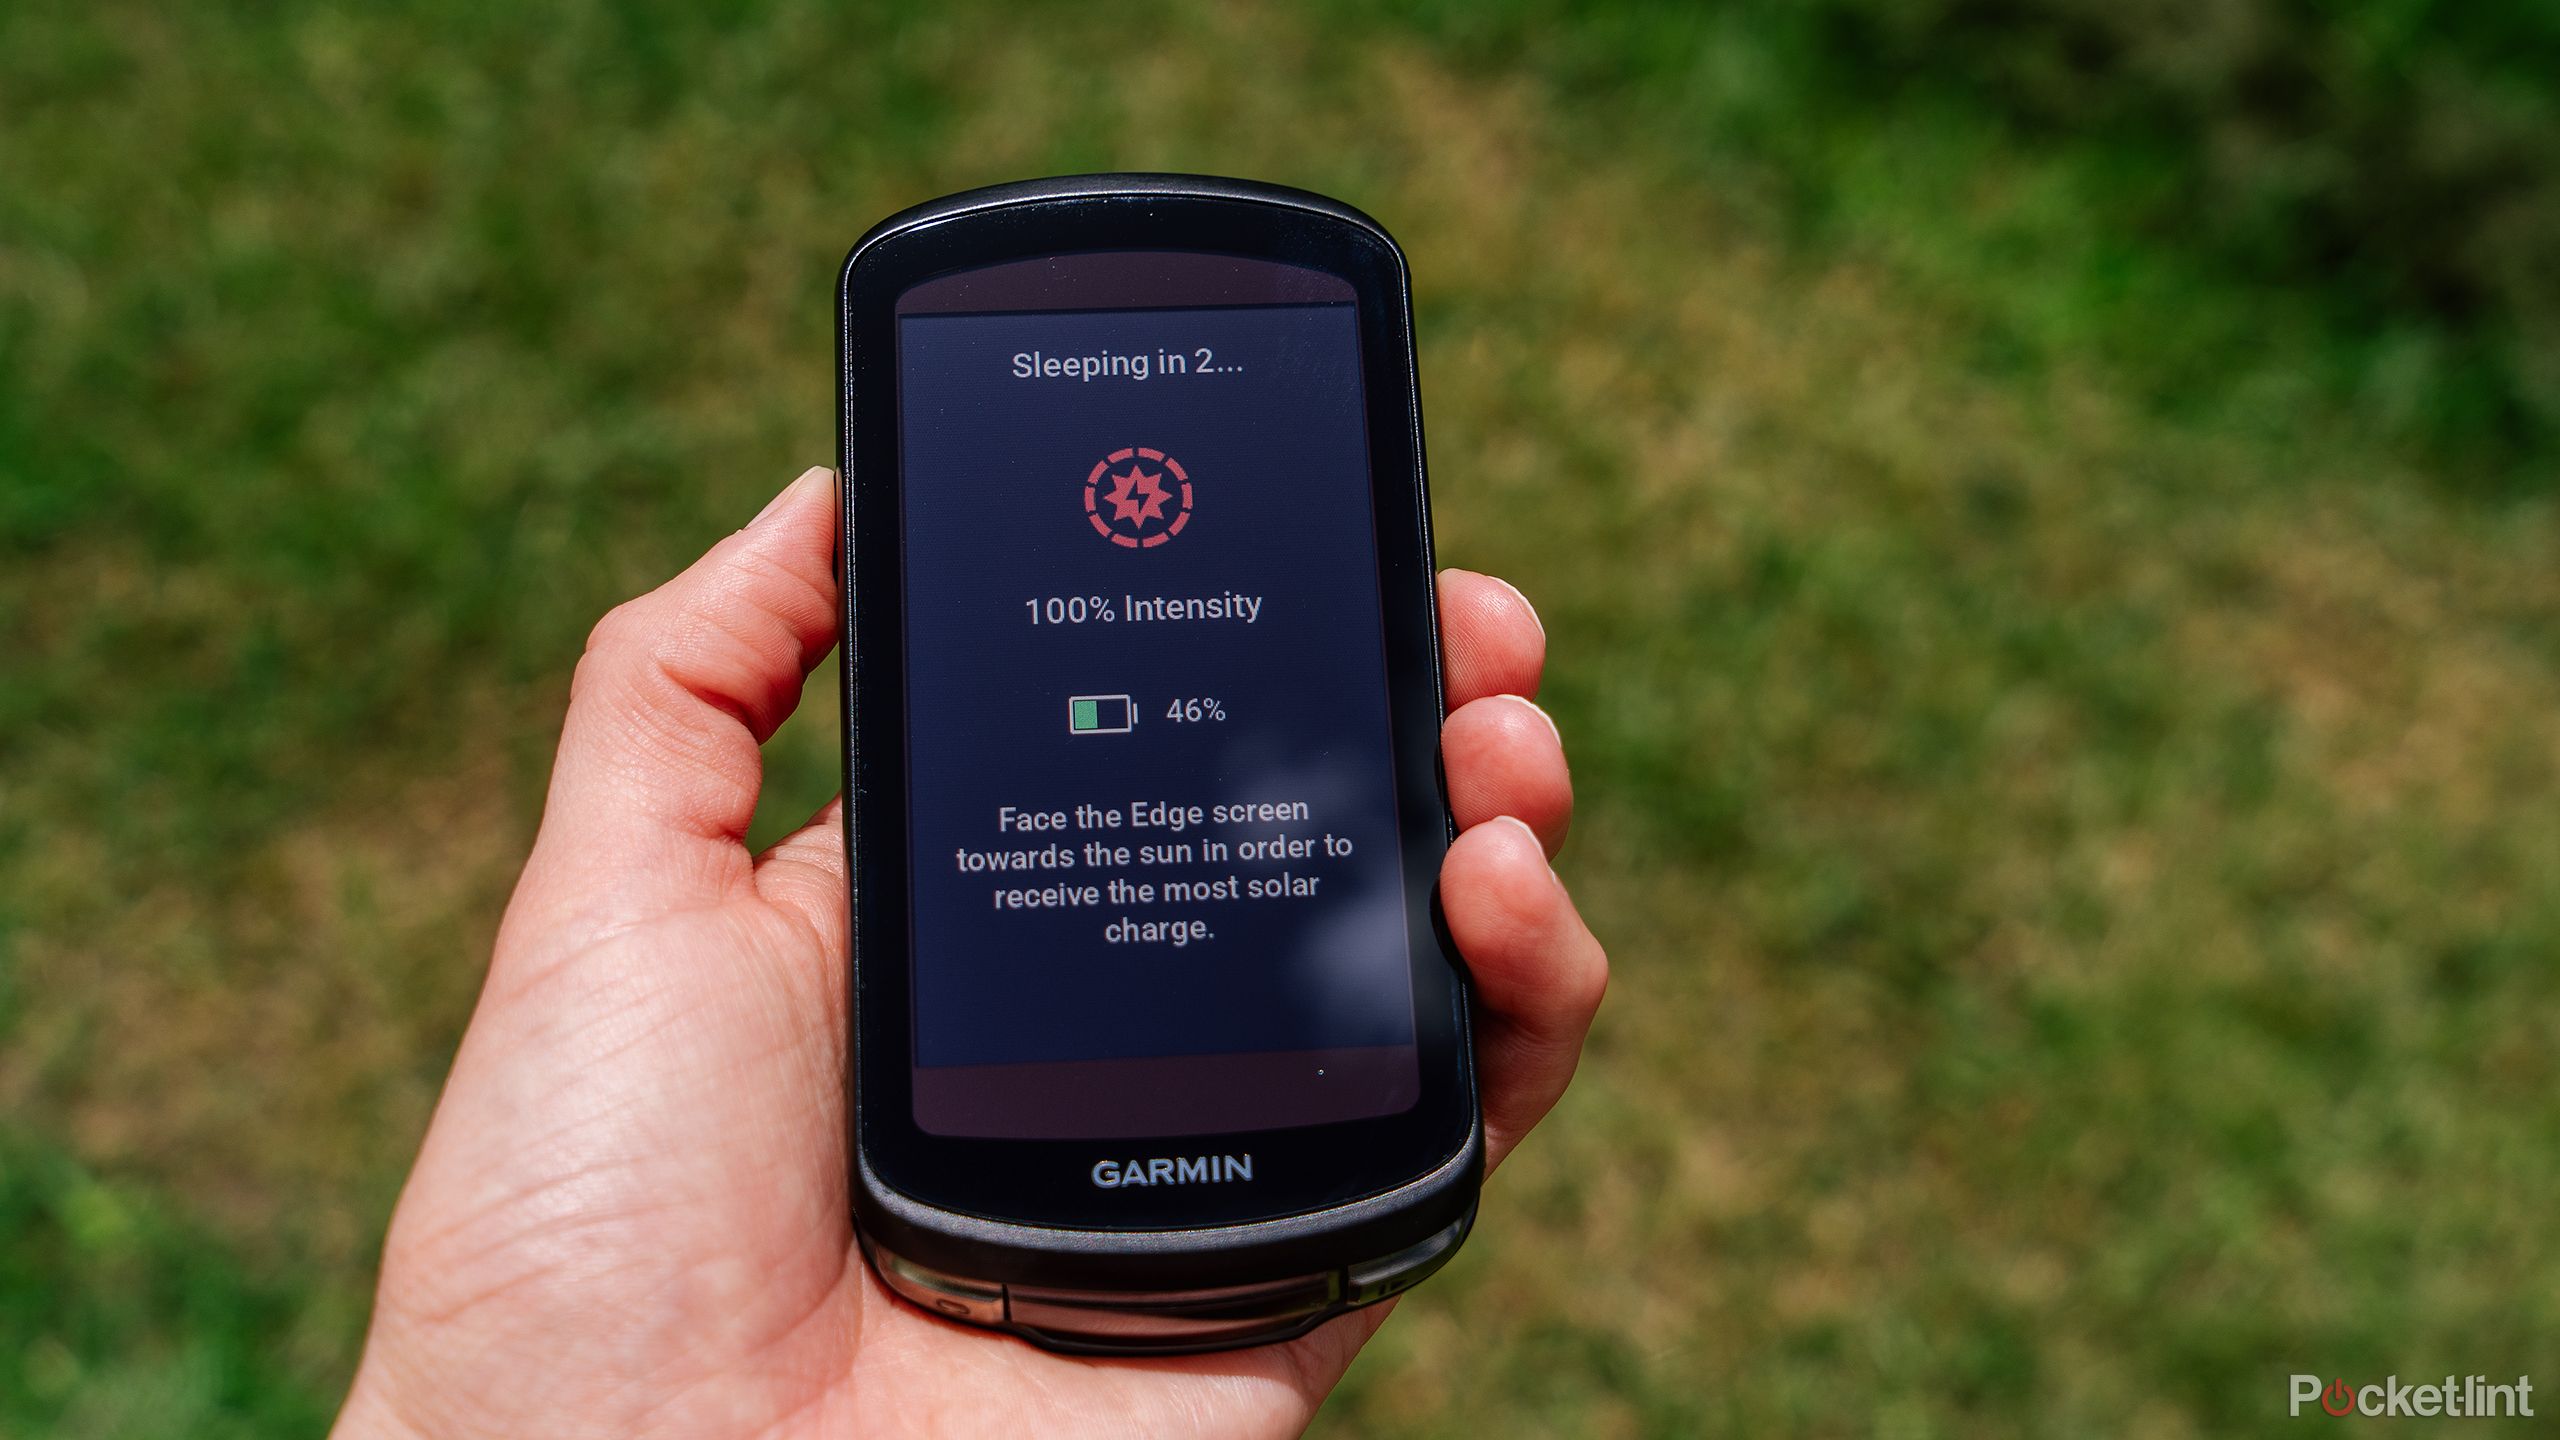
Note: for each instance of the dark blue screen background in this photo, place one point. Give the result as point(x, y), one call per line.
point(994, 470)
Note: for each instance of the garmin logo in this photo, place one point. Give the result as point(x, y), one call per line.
point(1164, 1170)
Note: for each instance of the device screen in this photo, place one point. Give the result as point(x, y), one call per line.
point(1156, 885)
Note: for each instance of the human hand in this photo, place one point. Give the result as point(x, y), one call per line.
point(629, 1216)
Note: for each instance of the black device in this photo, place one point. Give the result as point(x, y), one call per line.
point(1158, 1041)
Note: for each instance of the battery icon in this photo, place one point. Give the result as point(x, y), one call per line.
point(1100, 714)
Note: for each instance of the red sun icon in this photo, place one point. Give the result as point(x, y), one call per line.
point(1138, 497)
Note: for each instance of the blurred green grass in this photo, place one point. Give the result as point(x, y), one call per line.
point(2059, 662)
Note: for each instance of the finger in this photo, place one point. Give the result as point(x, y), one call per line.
point(1538, 973)
point(659, 765)
point(804, 872)
point(1503, 756)
point(1491, 642)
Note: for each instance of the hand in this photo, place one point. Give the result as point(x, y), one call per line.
point(629, 1217)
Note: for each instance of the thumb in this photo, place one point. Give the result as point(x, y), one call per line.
point(660, 763)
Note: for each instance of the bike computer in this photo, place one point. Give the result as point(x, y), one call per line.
point(1158, 1043)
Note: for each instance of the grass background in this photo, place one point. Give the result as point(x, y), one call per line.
point(2044, 511)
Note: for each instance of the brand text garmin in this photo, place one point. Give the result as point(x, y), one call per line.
point(1170, 1170)
point(2457, 1396)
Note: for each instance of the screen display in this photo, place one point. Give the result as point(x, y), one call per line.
point(1154, 863)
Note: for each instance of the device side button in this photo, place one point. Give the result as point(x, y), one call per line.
point(974, 1301)
point(1375, 1280)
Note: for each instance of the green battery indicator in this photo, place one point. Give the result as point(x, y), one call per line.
point(1100, 714)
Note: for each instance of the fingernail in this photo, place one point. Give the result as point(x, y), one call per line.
point(813, 476)
point(1541, 712)
point(1523, 597)
point(1534, 843)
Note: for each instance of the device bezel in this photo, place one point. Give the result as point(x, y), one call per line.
point(999, 1200)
